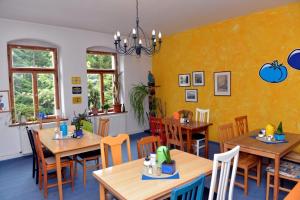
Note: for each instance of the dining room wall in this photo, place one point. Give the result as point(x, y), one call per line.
point(240, 45)
point(72, 45)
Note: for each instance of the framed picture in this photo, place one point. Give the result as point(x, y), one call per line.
point(4, 101)
point(184, 80)
point(222, 83)
point(191, 95)
point(198, 78)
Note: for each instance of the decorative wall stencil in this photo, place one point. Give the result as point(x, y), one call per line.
point(76, 100)
point(76, 90)
point(273, 72)
point(294, 59)
point(76, 80)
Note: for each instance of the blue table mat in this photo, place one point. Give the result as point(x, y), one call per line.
point(175, 176)
point(269, 142)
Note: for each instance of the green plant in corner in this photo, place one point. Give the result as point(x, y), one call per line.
point(137, 97)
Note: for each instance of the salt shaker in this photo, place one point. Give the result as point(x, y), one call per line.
point(146, 165)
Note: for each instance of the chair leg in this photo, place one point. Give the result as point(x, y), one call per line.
point(72, 175)
point(75, 164)
point(84, 173)
point(37, 175)
point(197, 148)
point(40, 178)
point(245, 181)
point(45, 183)
point(258, 172)
point(268, 186)
point(33, 166)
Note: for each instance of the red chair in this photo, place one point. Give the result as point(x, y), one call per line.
point(157, 128)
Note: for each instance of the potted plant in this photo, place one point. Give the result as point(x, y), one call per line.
point(105, 108)
point(168, 166)
point(93, 100)
point(117, 103)
point(279, 135)
point(137, 97)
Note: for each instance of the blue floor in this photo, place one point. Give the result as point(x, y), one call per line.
point(16, 181)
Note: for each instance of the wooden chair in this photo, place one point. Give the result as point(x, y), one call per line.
point(242, 125)
point(288, 171)
point(202, 115)
point(192, 190)
point(156, 128)
point(49, 164)
point(291, 159)
point(174, 134)
point(246, 161)
point(147, 145)
point(115, 144)
point(226, 161)
point(35, 163)
point(86, 157)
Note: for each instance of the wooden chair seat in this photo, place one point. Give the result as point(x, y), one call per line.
point(292, 156)
point(247, 161)
point(89, 154)
point(51, 161)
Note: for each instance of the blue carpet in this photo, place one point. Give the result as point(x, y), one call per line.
point(16, 180)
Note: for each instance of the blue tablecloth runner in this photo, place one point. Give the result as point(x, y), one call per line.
point(175, 176)
point(269, 142)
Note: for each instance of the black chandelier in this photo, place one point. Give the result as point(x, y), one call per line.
point(134, 45)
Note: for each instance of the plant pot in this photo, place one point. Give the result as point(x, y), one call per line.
point(168, 168)
point(95, 111)
point(78, 133)
point(279, 137)
point(117, 108)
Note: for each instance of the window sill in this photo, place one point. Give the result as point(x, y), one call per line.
point(108, 114)
point(36, 122)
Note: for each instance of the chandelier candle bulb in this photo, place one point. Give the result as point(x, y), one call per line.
point(115, 37)
point(159, 35)
point(118, 35)
point(140, 42)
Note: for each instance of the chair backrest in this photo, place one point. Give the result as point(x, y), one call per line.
point(31, 140)
point(226, 160)
point(202, 115)
point(147, 145)
point(87, 126)
point(103, 127)
point(38, 147)
point(187, 112)
point(115, 144)
point(156, 125)
point(173, 133)
point(242, 125)
point(226, 132)
point(192, 190)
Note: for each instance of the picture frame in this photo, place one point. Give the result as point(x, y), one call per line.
point(4, 101)
point(191, 95)
point(198, 78)
point(184, 80)
point(222, 83)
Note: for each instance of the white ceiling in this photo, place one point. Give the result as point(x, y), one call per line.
point(108, 16)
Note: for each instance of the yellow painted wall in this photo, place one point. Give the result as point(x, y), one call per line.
point(241, 45)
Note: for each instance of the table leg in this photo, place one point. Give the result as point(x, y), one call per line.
point(58, 172)
point(102, 191)
point(206, 142)
point(189, 141)
point(276, 177)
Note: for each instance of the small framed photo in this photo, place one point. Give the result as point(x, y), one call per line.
point(222, 83)
point(198, 78)
point(4, 101)
point(191, 95)
point(184, 80)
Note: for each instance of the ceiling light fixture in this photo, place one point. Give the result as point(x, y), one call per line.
point(137, 41)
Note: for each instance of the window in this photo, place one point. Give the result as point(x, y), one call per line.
point(33, 81)
point(101, 69)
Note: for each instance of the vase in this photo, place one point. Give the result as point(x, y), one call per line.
point(117, 108)
point(168, 168)
point(78, 133)
point(279, 137)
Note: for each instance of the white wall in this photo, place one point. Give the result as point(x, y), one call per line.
point(72, 45)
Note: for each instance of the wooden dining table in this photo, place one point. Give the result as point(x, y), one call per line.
point(124, 181)
point(67, 147)
point(251, 145)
